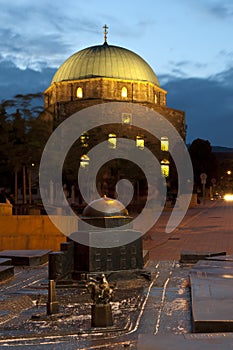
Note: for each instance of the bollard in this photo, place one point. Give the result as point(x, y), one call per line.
point(52, 304)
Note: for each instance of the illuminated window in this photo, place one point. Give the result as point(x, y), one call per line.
point(156, 98)
point(165, 167)
point(84, 161)
point(164, 144)
point(124, 92)
point(126, 118)
point(140, 142)
point(112, 141)
point(79, 92)
point(84, 139)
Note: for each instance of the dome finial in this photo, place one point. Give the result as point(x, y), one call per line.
point(105, 27)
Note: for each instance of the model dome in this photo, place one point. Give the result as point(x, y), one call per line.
point(105, 207)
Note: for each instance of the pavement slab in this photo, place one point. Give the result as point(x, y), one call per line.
point(182, 342)
point(26, 257)
point(211, 295)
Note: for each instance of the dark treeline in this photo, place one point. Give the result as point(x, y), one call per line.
point(23, 135)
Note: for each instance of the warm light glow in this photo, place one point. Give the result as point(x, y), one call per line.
point(156, 98)
point(165, 167)
point(79, 92)
point(228, 197)
point(124, 92)
point(33, 164)
point(112, 141)
point(84, 139)
point(140, 142)
point(228, 172)
point(84, 161)
point(126, 118)
point(164, 144)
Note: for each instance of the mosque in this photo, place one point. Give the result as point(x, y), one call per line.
point(107, 73)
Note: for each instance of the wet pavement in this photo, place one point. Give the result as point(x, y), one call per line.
point(154, 310)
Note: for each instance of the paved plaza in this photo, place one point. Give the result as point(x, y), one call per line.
point(148, 314)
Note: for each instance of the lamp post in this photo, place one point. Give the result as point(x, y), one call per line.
point(203, 177)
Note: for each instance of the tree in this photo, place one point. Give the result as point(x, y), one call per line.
point(203, 161)
point(22, 137)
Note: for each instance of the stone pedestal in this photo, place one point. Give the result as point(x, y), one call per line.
point(101, 315)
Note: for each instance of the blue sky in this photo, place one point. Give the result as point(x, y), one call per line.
point(188, 43)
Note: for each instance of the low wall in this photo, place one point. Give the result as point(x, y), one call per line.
point(31, 232)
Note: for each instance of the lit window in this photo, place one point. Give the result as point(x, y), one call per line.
point(140, 142)
point(79, 92)
point(164, 144)
point(84, 161)
point(156, 98)
point(84, 139)
point(112, 141)
point(165, 167)
point(126, 118)
point(124, 92)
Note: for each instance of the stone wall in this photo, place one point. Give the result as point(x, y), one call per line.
point(29, 232)
point(104, 88)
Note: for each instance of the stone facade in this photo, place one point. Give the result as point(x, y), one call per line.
point(61, 101)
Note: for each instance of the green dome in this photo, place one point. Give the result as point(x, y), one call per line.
point(105, 61)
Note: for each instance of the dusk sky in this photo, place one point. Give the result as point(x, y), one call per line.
point(188, 43)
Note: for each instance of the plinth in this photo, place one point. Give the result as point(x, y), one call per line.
point(101, 315)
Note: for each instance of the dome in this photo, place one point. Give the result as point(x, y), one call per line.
point(105, 207)
point(105, 61)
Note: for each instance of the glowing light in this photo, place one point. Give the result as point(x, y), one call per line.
point(228, 172)
point(84, 161)
point(124, 92)
point(228, 197)
point(126, 118)
point(140, 142)
point(164, 144)
point(84, 139)
point(112, 141)
point(79, 92)
point(165, 167)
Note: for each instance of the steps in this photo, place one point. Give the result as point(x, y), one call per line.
point(6, 269)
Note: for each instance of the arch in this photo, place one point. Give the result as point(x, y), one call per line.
point(165, 167)
point(112, 140)
point(84, 161)
point(140, 142)
point(79, 92)
point(164, 144)
point(124, 92)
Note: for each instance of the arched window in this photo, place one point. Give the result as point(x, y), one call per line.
point(84, 139)
point(84, 161)
point(165, 167)
point(164, 144)
point(156, 98)
point(79, 92)
point(124, 92)
point(112, 140)
point(140, 142)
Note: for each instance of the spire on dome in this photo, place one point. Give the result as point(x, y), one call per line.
point(105, 27)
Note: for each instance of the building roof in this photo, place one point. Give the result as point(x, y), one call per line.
point(105, 61)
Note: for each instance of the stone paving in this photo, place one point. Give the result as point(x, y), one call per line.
point(205, 228)
point(146, 313)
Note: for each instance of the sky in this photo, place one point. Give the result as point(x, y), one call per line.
point(188, 44)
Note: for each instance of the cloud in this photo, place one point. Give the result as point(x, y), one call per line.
point(17, 81)
point(207, 104)
point(221, 10)
point(35, 35)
